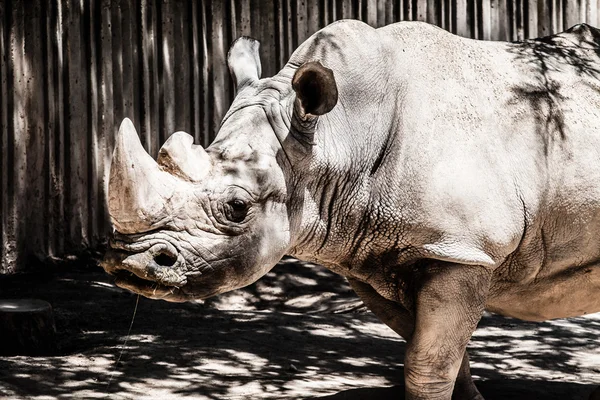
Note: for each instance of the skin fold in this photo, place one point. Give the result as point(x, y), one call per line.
point(442, 176)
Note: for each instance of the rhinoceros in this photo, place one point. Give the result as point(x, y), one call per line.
point(442, 176)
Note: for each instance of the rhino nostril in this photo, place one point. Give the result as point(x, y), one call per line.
point(165, 260)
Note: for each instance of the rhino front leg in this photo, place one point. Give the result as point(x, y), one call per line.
point(400, 321)
point(449, 302)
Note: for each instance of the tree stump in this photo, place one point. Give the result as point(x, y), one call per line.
point(26, 327)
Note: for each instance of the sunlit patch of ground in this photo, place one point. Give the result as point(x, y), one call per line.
point(298, 333)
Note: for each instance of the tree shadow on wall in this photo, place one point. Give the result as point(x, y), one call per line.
point(575, 51)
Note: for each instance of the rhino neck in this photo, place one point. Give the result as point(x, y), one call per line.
point(342, 190)
point(342, 186)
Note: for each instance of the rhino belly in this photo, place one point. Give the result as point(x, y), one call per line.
point(567, 293)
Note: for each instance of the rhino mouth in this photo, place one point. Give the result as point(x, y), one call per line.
point(147, 288)
point(150, 268)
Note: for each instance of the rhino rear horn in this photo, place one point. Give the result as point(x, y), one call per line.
point(315, 87)
point(243, 60)
point(180, 156)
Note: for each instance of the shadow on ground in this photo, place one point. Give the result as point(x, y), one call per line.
point(514, 389)
point(298, 333)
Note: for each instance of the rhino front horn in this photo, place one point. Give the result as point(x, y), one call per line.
point(139, 192)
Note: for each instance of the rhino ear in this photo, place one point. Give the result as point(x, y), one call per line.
point(315, 87)
point(244, 61)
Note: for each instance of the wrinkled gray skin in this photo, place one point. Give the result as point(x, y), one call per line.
point(442, 176)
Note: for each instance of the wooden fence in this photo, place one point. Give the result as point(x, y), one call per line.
point(72, 69)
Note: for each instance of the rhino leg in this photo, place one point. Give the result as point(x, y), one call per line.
point(400, 321)
point(449, 302)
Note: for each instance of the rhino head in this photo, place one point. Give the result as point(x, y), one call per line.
point(198, 222)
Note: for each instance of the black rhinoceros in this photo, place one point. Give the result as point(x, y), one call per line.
point(442, 176)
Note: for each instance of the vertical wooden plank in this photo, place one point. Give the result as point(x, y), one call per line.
point(346, 9)
point(475, 18)
point(17, 185)
point(421, 10)
point(462, 24)
point(511, 27)
point(532, 20)
point(449, 21)
point(154, 107)
point(486, 19)
point(15, 70)
point(217, 59)
point(496, 20)
point(302, 21)
point(136, 68)
point(503, 28)
point(95, 162)
point(521, 24)
point(572, 13)
point(166, 78)
point(593, 12)
point(268, 53)
point(330, 10)
point(60, 76)
point(560, 16)
point(107, 124)
point(381, 13)
point(432, 12)
point(29, 133)
point(206, 110)
point(181, 70)
point(324, 13)
point(148, 66)
point(233, 15)
point(400, 10)
point(255, 14)
point(15, 125)
point(77, 124)
point(390, 12)
point(370, 13)
point(127, 64)
point(195, 64)
point(244, 14)
point(313, 15)
point(544, 17)
point(116, 55)
point(292, 25)
point(280, 34)
point(5, 251)
point(555, 16)
point(49, 129)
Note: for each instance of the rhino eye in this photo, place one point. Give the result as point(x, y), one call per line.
point(238, 209)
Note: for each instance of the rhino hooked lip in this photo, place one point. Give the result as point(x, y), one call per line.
point(155, 272)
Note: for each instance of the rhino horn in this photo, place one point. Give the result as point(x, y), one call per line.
point(139, 192)
point(181, 157)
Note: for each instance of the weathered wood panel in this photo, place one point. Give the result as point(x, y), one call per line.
point(70, 70)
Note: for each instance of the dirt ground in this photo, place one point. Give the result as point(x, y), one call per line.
point(299, 333)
